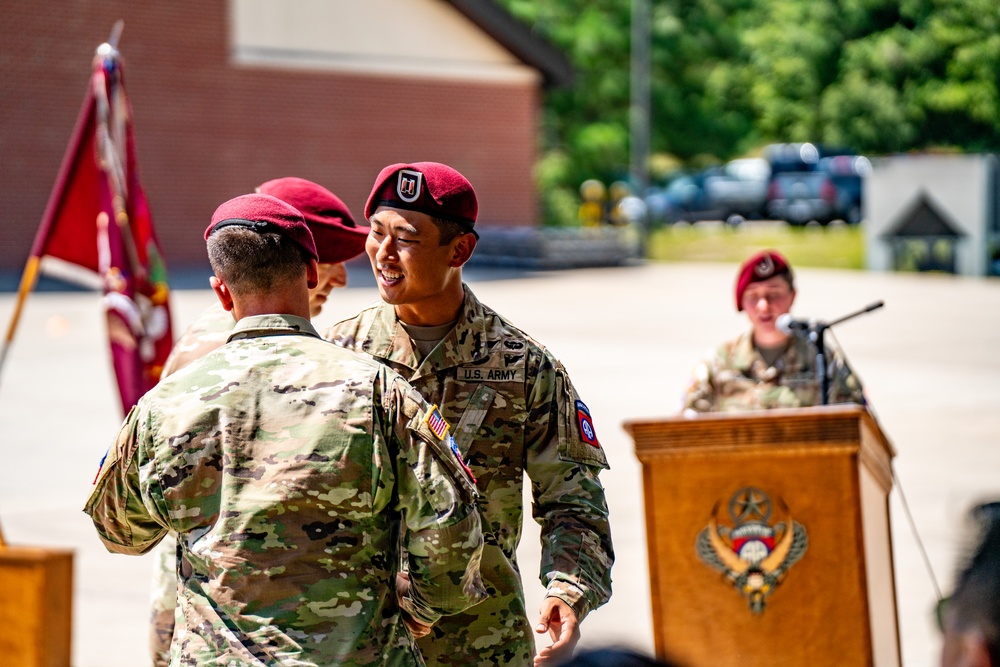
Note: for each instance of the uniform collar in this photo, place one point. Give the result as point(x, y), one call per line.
point(748, 360)
point(465, 343)
point(256, 326)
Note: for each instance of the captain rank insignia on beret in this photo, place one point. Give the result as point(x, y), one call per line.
point(409, 184)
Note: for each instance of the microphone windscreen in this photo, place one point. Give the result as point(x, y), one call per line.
point(784, 323)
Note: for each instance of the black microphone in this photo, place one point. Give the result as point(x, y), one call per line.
point(790, 326)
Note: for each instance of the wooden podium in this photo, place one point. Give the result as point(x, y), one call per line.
point(36, 606)
point(768, 536)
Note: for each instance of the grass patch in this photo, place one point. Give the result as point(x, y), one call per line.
point(836, 246)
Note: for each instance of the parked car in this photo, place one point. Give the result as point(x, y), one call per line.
point(799, 197)
point(739, 188)
point(799, 156)
point(829, 189)
point(683, 199)
point(847, 174)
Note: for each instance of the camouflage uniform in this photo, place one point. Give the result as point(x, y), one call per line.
point(283, 464)
point(736, 377)
point(209, 331)
point(514, 410)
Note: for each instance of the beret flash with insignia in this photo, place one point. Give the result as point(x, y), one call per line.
point(431, 188)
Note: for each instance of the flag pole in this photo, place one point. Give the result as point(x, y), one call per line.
point(116, 32)
point(30, 276)
point(28, 280)
point(116, 172)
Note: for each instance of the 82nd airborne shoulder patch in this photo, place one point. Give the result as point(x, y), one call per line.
point(586, 424)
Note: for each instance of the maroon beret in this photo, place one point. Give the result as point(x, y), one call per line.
point(428, 187)
point(263, 213)
point(765, 264)
point(338, 238)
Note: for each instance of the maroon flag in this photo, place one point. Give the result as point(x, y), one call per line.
point(98, 219)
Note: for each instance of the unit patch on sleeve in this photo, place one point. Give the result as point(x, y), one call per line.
point(586, 424)
point(436, 423)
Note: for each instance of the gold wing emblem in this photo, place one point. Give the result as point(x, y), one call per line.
point(713, 550)
point(788, 550)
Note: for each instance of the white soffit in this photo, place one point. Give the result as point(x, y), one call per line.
point(424, 38)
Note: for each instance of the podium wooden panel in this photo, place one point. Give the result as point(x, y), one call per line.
point(828, 469)
point(36, 601)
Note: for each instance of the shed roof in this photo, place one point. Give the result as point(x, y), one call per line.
point(520, 40)
point(923, 218)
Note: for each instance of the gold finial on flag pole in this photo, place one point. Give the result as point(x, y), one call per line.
point(116, 32)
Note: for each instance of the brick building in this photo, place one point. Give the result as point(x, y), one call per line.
point(229, 93)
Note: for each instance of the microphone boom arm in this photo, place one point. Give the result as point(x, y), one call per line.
point(816, 332)
point(867, 309)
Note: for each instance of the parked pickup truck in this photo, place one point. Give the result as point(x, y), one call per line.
point(832, 191)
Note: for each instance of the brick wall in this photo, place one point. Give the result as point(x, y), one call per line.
point(207, 130)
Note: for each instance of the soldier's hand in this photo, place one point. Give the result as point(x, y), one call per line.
point(417, 629)
point(402, 585)
point(559, 620)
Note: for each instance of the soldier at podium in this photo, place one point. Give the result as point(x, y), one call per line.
point(765, 367)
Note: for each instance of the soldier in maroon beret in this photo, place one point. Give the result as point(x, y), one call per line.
point(264, 213)
point(338, 237)
point(284, 467)
point(333, 238)
point(767, 367)
point(762, 267)
point(515, 412)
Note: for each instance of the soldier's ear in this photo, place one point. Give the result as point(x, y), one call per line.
point(461, 249)
point(312, 273)
point(222, 292)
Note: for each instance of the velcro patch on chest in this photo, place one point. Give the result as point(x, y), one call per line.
point(505, 364)
point(487, 374)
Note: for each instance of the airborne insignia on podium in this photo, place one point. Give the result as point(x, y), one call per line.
point(752, 553)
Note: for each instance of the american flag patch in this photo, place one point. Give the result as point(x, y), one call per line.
point(458, 455)
point(436, 423)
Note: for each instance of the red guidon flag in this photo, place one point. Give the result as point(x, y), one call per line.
point(98, 219)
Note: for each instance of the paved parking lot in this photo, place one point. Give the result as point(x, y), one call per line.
point(629, 337)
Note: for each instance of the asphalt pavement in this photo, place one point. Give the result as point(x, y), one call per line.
point(629, 337)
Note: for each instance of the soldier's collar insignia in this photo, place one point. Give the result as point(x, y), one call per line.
point(586, 424)
point(753, 553)
point(408, 185)
point(436, 423)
